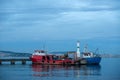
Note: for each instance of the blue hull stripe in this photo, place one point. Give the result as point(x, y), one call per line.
point(93, 60)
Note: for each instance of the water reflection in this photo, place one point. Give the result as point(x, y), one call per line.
point(65, 71)
point(87, 70)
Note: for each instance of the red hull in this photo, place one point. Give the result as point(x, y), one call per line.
point(37, 59)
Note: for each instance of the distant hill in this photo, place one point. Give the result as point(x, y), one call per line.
point(19, 54)
point(13, 54)
point(110, 55)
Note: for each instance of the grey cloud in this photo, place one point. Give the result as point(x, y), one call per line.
point(62, 16)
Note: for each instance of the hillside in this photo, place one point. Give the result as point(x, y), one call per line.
point(19, 54)
point(13, 54)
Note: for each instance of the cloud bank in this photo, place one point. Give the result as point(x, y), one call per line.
point(64, 19)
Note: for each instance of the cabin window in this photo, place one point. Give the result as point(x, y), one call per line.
point(42, 52)
point(43, 57)
point(48, 58)
point(53, 61)
point(55, 58)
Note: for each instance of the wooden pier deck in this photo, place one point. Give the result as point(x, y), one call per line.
point(12, 60)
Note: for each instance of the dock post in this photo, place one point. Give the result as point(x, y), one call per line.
point(23, 62)
point(12, 62)
point(0, 62)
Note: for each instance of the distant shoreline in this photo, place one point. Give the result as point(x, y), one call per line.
point(110, 55)
point(19, 54)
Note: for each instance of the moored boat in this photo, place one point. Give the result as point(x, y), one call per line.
point(42, 57)
point(90, 57)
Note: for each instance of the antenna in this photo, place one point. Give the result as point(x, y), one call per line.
point(86, 48)
point(44, 47)
point(97, 51)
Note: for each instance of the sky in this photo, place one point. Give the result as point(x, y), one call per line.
point(26, 25)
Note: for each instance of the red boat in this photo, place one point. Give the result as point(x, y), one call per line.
point(41, 57)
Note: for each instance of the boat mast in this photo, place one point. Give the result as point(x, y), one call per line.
point(86, 48)
point(78, 49)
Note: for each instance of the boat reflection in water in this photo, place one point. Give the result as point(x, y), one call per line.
point(65, 71)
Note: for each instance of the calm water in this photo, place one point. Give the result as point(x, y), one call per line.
point(109, 69)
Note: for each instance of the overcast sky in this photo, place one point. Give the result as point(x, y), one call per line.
point(45, 20)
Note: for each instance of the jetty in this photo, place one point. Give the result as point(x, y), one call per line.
point(12, 60)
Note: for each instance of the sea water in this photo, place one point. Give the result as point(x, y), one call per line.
point(109, 69)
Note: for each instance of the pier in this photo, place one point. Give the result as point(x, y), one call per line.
point(12, 60)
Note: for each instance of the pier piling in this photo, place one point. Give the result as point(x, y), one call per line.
point(23, 62)
point(13, 60)
point(0, 62)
